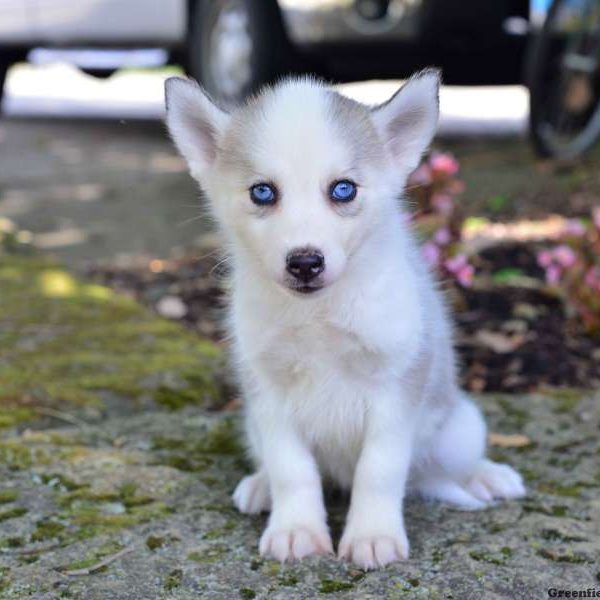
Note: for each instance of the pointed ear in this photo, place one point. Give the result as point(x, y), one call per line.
point(194, 123)
point(408, 120)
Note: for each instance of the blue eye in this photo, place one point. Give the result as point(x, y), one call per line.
point(343, 191)
point(263, 194)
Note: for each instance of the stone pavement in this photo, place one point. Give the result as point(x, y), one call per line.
point(115, 475)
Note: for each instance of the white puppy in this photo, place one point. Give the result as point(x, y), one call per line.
point(341, 340)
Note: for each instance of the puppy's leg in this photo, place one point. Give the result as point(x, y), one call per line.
point(297, 524)
point(375, 535)
point(252, 494)
point(460, 474)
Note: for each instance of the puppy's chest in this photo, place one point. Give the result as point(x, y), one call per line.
point(319, 356)
point(325, 374)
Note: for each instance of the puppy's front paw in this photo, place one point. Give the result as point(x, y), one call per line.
point(493, 480)
point(294, 543)
point(374, 550)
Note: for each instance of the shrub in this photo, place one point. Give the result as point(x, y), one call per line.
point(434, 187)
point(572, 269)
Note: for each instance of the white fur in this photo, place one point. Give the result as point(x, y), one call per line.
point(355, 383)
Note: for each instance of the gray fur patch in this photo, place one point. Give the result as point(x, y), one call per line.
point(354, 124)
point(349, 119)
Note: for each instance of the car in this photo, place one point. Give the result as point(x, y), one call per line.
point(233, 46)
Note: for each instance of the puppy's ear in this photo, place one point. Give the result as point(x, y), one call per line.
point(408, 120)
point(194, 123)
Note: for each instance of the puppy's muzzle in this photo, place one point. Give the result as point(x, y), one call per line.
point(305, 264)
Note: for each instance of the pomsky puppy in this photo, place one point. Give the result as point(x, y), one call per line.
point(341, 340)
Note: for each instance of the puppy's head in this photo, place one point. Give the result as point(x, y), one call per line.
point(300, 177)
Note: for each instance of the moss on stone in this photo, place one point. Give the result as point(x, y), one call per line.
point(556, 510)
point(566, 399)
point(4, 578)
point(558, 489)
point(17, 455)
point(256, 564)
point(67, 341)
point(8, 496)
point(12, 513)
point(208, 555)
point(97, 522)
point(247, 593)
point(154, 542)
point(174, 399)
point(554, 535)
point(288, 580)
point(219, 532)
point(13, 415)
point(13, 542)
point(564, 555)
point(47, 530)
point(60, 481)
point(330, 586)
point(173, 580)
point(107, 549)
point(493, 557)
point(85, 495)
point(129, 497)
point(516, 417)
point(196, 455)
point(165, 443)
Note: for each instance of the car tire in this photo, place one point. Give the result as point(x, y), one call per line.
point(236, 46)
point(544, 138)
point(99, 73)
point(3, 70)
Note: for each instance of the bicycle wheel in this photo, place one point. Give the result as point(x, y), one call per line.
point(563, 76)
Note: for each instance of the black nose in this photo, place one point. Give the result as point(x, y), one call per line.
point(305, 265)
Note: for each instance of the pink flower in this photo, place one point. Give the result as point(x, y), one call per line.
point(456, 186)
point(421, 175)
point(465, 275)
point(544, 258)
point(575, 227)
point(565, 256)
point(596, 216)
point(442, 236)
point(456, 263)
point(442, 203)
point(553, 274)
point(461, 269)
point(592, 278)
point(431, 253)
point(444, 163)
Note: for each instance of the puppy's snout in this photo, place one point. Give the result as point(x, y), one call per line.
point(305, 264)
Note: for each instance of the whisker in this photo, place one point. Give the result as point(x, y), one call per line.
point(191, 220)
point(416, 186)
point(213, 251)
point(213, 271)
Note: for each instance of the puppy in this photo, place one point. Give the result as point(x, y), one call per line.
point(340, 337)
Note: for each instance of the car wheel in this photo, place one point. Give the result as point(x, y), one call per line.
point(563, 76)
point(99, 73)
point(3, 70)
point(236, 46)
